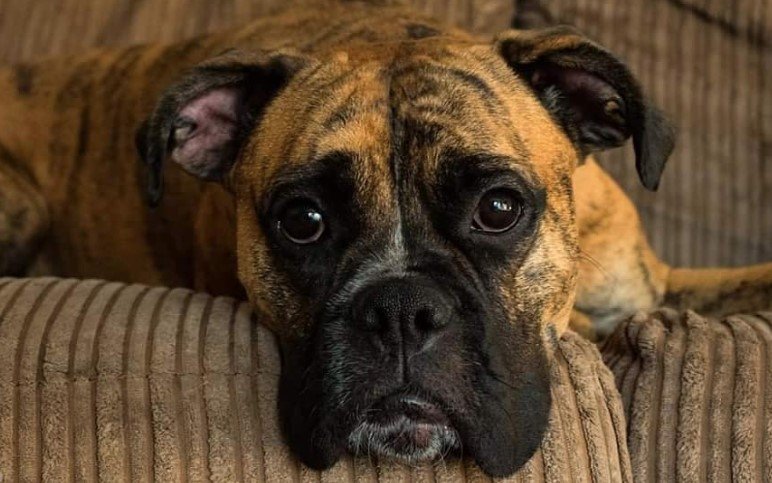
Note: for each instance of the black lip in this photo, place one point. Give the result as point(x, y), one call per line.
point(415, 408)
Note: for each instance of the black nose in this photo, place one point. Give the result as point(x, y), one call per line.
point(405, 308)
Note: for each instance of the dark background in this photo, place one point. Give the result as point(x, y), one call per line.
point(707, 63)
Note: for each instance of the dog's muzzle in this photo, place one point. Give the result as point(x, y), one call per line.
point(404, 318)
point(414, 368)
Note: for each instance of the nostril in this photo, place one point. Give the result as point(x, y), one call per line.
point(368, 317)
point(370, 321)
point(402, 306)
point(432, 317)
point(370, 313)
point(425, 320)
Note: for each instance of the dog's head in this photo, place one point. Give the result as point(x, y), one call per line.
point(405, 224)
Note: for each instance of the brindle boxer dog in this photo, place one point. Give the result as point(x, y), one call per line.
point(409, 208)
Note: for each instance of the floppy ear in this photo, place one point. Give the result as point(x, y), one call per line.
point(591, 94)
point(201, 121)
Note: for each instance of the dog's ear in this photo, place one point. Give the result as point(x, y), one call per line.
point(201, 120)
point(591, 94)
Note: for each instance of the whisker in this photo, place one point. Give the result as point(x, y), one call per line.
point(501, 381)
point(595, 263)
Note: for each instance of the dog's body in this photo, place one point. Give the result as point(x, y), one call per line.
point(73, 198)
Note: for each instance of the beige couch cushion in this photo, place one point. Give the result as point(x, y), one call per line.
point(113, 382)
point(698, 395)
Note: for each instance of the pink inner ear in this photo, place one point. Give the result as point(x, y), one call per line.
point(201, 143)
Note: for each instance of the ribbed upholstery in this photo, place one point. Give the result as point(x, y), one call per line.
point(31, 30)
point(113, 382)
point(697, 394)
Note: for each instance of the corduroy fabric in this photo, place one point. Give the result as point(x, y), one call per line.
point(111, 382)
point(31, 30)
point(698, 395)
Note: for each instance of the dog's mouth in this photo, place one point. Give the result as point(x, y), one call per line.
point(396, 393)
point(410, 429)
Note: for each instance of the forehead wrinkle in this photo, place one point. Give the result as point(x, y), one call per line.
point(361, 80)
point(462, 99)
point(454, 84)
point(499, 121)
point(293, 133)
point(428, 159)
point(536, 130)
point(283, 132)
point(291, 176)
point(362, 131)
point(481, 121)
point(422, 117)
point(323, 94)
point(504, 116)
point(520, 129)
point(450, 68)
point(489, 162)
point(307, 134)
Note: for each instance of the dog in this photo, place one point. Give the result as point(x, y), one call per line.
point(414, 211)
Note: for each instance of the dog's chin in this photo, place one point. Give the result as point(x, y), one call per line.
point(405, 429)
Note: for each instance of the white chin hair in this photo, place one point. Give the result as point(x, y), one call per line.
point(403, 440)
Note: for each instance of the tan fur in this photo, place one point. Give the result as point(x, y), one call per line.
point(620, 275)
point(67, 131)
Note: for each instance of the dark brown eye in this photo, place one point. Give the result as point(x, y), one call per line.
point(498, 211)
point(301, 222)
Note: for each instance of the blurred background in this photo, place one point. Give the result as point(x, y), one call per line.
point(706, 63)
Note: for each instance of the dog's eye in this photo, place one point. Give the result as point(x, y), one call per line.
point(498, 211)
point(301, 222)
